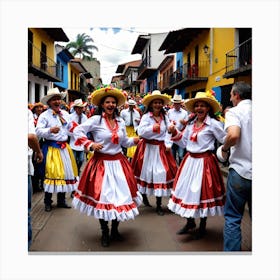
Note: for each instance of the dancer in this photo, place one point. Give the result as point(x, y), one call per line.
point(107, 189)
point(198, 189)
point(153, 163)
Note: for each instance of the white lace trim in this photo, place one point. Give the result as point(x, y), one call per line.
point(195, 213)
point(106, 215)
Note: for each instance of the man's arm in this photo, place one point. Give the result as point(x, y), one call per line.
point(232, 137)
point(33, 143)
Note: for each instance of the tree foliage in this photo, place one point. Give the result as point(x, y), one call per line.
point(82, 47)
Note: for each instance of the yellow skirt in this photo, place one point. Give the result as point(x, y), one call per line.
point(131, 133)
point(61, 172)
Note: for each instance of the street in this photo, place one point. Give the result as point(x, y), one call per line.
point(68, 230)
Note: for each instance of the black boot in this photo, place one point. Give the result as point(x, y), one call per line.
point(202, 228)
point(159, 210)
point(145, 200)
point(189, 225)
point(105, 240)
point(61, 203)
point(48, 201)
point(115, 235)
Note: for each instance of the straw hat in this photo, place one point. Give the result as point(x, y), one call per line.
point(131, 102)
point(98, 94)
point(206, 97)
point(156, 94)
point(177, 98)
point(52, 92)
point(38, 104)
point(78, 103)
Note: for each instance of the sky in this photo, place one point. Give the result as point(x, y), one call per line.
point(114, 45)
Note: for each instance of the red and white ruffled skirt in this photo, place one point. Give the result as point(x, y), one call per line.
point(154, 168)
point(107, 189)
point(199, 189)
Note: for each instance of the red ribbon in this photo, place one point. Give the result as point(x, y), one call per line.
point(62, 144)
point(114, 130)
point(80, 141)
point(74, 124)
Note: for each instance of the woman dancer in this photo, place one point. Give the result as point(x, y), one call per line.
point(107, 189)
point(198, 189)
point(153, 163)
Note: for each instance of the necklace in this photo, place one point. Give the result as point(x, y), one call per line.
point(195, 131)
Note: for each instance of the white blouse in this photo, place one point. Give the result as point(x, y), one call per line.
point(75, 118)
point(212, 131)
point(102, 134)
point(145, 129)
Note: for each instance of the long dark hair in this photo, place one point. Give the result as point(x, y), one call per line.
point(150, 109)
point(99, 110)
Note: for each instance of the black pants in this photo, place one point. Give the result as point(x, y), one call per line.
point(60, 198)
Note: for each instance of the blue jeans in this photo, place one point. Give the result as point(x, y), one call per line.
point(79, 157)
point(29, 211)
point(181, 152)
point(239, 191)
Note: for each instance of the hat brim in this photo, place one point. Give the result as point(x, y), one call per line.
point(97, 95)
point(80, 106)
point(190, 104)
point(146, 101)
point(46, 98)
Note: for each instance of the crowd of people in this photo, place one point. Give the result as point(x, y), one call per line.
point(156, 145)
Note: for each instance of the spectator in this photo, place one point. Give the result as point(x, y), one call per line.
point(78, 117)
point(131, 118)
point(179, 118)
point(33, 146)
point(238, 144)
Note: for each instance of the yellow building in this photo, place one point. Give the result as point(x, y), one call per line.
point(212, 58)
point(42, 68)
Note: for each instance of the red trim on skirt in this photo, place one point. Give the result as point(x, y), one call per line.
point(167, 159)
point(92, 177)
point(212, 188)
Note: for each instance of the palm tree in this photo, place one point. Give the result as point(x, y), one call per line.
point(81, 48)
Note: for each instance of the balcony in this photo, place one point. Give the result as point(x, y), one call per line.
point(145, 69)
point(239, 60)
point(43, 66)
point(189, 74)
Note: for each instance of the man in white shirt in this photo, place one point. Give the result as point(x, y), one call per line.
point(178, 116)
point(78, 117)
point(238, 143)
point(33, 146)
point(131, 118)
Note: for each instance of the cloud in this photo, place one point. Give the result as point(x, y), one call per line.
point(114, 45)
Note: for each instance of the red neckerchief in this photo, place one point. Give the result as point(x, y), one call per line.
point(158, 122)
point(114, 130)
point(195, 131)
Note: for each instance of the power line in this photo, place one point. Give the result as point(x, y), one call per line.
point(114, 48)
